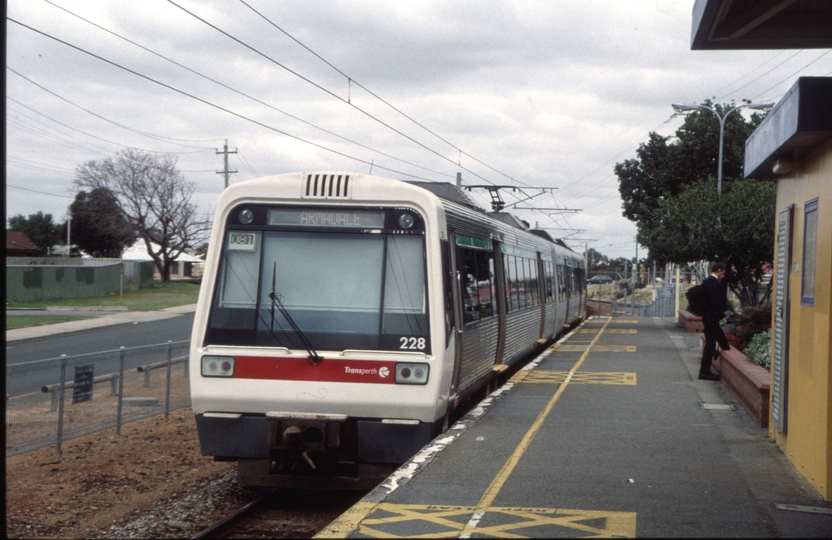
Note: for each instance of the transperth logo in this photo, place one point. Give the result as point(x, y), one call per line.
point(383, 372)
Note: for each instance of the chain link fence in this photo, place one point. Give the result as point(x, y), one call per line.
point(54, 400)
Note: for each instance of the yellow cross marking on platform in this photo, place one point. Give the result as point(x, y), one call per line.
point(610, 331)
point(624, 321)
point(585, 377)
point(436, 521)
point(598, 348)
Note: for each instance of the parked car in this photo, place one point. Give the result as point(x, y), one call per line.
point(597, 280)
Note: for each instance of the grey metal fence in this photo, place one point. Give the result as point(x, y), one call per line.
point(54, 400)
point(662, 306)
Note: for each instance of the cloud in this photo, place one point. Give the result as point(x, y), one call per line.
point(549, 93)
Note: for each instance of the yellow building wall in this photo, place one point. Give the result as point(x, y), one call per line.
point(808, 440)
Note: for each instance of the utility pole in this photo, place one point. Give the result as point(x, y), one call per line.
point(69, 232)
point(225, 152)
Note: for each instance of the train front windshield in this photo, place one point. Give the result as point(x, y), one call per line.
point(321, 289)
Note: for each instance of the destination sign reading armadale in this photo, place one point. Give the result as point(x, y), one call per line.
point(348, 219)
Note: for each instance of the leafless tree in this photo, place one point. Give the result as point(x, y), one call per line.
point(154, 198)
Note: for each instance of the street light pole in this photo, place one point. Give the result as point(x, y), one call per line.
point(683, 108)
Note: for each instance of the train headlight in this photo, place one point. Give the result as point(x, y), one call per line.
point(410, 373)
point(217, 366)
point(406, 221)
point(246, 217)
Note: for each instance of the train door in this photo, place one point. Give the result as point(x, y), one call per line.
point(476, 301)
point(563, 289)
point(456, 313)
point(541, 288)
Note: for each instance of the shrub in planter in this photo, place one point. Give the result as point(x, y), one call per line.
point(758, 349)
point(752, 321)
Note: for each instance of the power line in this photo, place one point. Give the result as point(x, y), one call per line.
point(239, 92)
point(152, 136)
point(329, 92)
point(85, 133)
point(764, 74)
point(210, 104)
point(793, 74)
point(39, 192)
point(351, 80)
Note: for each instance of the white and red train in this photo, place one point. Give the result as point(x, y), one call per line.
point(343, 317)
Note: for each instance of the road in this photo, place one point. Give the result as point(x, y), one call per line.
point(37, 373)
point(101, 339)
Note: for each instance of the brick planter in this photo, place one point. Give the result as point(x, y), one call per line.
point(749, 382)
point(690, 322)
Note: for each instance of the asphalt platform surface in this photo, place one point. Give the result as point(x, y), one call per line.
point(609, 433)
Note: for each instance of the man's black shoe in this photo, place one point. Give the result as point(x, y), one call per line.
point(709, 376)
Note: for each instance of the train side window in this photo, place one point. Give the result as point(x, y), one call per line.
point(509, 271)
point(562, 281)
point(531, 283)
point(477, 270)
point(549, 280)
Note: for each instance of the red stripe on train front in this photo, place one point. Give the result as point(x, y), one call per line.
point(302, 369)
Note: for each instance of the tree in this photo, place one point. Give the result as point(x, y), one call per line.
point(39, 228)
point(670, 193)
point(98, 224)
point(597, 261)
point(153, 198)
point(736, 228)
point(664, 169)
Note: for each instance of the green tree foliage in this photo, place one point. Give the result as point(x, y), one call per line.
point(736, 228)
point(663, 169)
point(98, 225)
point(670, 192)
point(597, 260)
point(39, 228)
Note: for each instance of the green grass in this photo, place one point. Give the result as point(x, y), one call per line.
point(158, 296)
point(23, 321)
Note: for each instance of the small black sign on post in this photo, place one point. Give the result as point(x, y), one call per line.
point(82, 387)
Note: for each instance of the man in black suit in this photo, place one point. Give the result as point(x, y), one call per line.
point(711, 320)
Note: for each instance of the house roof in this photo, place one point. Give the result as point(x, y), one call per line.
point(138, 252)
point(18, 241)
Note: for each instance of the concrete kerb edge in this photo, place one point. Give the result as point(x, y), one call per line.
point(117, 318)
point(348, 522)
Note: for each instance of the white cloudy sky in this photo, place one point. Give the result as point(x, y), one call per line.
point(527, 92)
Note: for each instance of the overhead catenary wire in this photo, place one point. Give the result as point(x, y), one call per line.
point(330, 93)
point(248, 96)
point(90, 134)
point(209, 103)
point(351, 81)
point(113, 122)
point(591, 182)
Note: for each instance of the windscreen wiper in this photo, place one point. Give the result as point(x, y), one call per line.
point(277, 301)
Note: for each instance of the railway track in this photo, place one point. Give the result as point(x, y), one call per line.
point(283, 513)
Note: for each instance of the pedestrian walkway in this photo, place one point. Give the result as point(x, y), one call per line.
point(108, 318)
point(608, 433)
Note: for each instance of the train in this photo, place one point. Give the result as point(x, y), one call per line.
point(344, 318)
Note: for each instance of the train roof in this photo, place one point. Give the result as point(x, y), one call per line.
point(452, 193)
point(447, 191)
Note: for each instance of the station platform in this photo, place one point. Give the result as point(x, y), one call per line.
point(608, 433)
